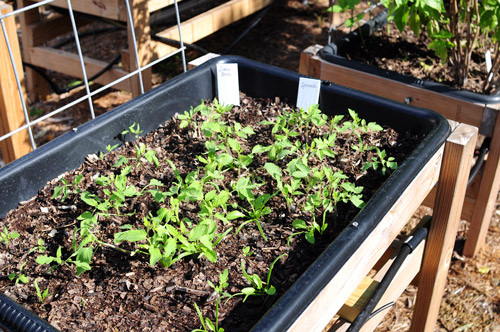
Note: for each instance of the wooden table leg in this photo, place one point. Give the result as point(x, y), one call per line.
point(486, 199)
point(449, 201)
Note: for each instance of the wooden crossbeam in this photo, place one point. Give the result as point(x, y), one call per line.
point(111, 9)
point(356, 302)
point(69, 64)
point(213, 20)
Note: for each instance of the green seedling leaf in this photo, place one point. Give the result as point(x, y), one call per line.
point(310, 236)
point(154, 256)
point(89, 198)
point(44, 259)
point(299, 224)
point(273, 170)
point(235, 215)
point(133, 235)
point(261, 149)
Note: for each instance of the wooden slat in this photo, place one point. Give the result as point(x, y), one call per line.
point(358, 299)
point(11, 111)
point(485, 203)
point(155, 5)
point(449, 201)
point(407, 272)
point(452, 108)
point(402, 279)
point(112, 9)
point(69, 64)
point(319, 313)
point(202, 59)
point(215, 19)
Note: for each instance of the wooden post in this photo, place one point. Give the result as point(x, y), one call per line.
point(486, 199)
point(11, 110)
point(140, 16)
point(449, 201)
point(37, 87)
point(309, 62)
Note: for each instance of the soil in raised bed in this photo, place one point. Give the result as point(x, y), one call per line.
point(408, 54)
point(123, 293)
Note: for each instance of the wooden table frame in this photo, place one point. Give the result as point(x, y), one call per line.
point(481, 197)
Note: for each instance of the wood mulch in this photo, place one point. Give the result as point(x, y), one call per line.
point(126, 293)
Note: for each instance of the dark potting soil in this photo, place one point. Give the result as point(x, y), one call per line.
point(408, 54)
point(123, 293)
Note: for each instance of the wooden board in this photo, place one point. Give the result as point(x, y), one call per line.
point(213, 20)
point(111, 9)
point(328, 302)
point(155, 5)
point(103, 8)
point(452, 108)
point(69, 64)
point(11, 110)
point(409, 269)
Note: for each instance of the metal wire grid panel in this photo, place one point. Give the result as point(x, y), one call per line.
point(89, 94)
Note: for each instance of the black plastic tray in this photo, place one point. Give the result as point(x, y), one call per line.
point(24, 177)
point(336, 51)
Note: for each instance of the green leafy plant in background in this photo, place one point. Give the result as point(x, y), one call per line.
point(455, 29)
point(348, 6)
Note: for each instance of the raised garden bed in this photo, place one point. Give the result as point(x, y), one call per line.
point(28, 175)
point(360, 49)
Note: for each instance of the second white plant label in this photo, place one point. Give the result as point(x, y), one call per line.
point(228, 90)
point(308, 93)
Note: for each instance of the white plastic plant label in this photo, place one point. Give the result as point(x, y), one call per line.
point(308, 93)
point(228, 89)
point(487, 57)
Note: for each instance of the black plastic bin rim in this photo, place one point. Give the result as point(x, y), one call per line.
point(332, 53)
point(291, 304)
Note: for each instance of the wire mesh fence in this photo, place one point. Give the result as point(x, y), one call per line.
point(12, 66)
